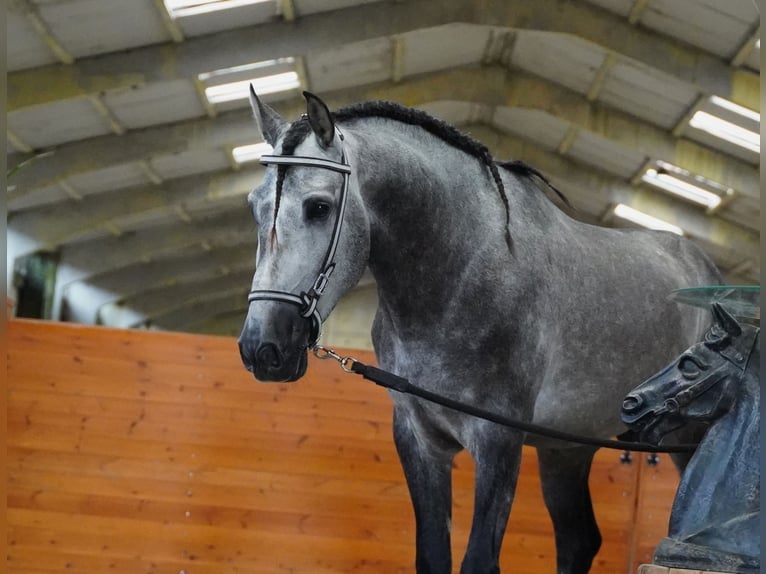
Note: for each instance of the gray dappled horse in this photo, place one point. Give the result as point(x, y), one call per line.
point(488, 293)
point(714, 524)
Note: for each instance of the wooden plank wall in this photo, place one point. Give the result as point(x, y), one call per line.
point(143, 452)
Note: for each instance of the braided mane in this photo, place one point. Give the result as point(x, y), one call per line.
point(391, 110)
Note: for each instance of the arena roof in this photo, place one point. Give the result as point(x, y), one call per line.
point(124, 125)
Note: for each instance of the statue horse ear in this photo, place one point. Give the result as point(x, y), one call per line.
point(320, 119)
point(725, 320)
point(270, 123)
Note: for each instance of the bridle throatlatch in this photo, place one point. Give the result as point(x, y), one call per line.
point(307, 301)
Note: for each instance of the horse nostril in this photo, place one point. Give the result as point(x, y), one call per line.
point(269, 356)
point(631, 403)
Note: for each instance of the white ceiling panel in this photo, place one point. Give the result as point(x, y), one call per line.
point(204, 209)
point(109, 179)
point(710, 140)
point(155, 103)
point(606, 154)
point(753, 60)
point(58, 122)
point(90, 234)
point(745, 10)
point(147, 219)
point(532, 125)
point(189, 162)
point(647, 93)
point(25, 48)
point(36, 197)
point(743, 212)
point(111, 25)
point(621, 7)
point(565, 59)
point(457, 113)
point(351, 65)
point(713, 28)
point(436, 49)
point(305, 7)
point(237, 17)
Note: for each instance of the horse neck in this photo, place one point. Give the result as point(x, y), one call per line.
point(434, 211)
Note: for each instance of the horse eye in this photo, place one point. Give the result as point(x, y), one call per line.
point(317, 210)
point(689, 369)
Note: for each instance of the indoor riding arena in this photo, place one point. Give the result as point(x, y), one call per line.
point(361, 286)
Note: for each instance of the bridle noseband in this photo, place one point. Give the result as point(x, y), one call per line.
point(307, 301)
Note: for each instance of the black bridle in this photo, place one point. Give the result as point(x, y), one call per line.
point(307, 301)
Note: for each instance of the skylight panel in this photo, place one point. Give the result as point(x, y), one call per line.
point(182, 8)
point(644, 219)
point(686, 185)
point(239, 90)
point(730, 122)
point(267, 77)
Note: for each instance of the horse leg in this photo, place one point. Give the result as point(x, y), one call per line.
point(427, 467)
point(497, 457)
point(564, 476)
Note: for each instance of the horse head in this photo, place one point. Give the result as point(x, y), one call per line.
point(313, 239)
point(695, 386)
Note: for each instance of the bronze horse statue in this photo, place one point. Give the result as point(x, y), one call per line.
point(714, 524)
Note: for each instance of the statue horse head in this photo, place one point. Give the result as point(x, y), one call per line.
point(696, 386)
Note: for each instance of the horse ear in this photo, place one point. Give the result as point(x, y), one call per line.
point(726, 320)
point(320, 119)
point(269, 121)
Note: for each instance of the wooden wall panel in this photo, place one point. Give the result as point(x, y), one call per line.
point(144, 452)
point(655, 498)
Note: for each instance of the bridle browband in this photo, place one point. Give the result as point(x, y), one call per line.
point(307, 301)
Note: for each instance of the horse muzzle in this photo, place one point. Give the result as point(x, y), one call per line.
point(651, 424)
point(275, 351)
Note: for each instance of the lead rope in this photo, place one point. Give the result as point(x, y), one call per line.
point(397, 383)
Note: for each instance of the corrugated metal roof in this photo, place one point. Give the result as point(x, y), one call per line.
point(642, 67)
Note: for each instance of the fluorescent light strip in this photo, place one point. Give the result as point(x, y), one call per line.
point(288, 61)
point(264, 85)
point(252, 152)
point(645, 220)
point(681, 188)
point(736, 108)
point(182, 8)
point(726, 131)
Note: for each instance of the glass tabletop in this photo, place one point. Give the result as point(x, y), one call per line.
point(742, 301)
